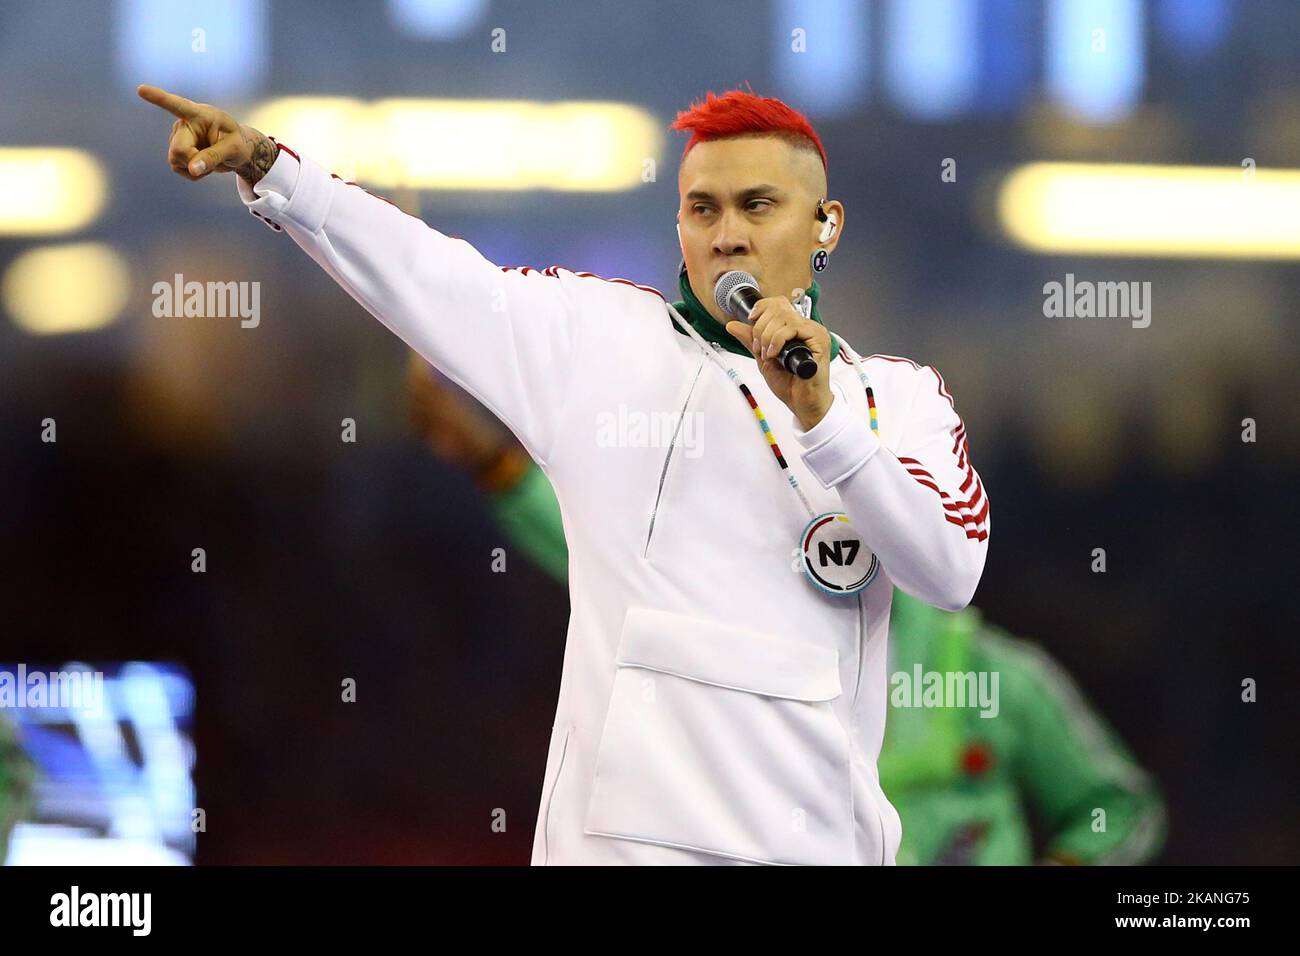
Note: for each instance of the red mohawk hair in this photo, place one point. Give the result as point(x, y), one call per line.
point(738, 113)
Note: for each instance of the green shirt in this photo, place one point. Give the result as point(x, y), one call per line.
point(16, 776)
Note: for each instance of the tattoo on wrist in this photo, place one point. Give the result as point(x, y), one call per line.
point(262, 153)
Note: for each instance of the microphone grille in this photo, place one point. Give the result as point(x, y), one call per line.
point(728, 283)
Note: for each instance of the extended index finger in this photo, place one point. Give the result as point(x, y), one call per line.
point(176, 105)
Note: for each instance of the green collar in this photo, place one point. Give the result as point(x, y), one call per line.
point(693, 312)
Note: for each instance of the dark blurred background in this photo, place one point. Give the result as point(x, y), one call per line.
point(328, 560)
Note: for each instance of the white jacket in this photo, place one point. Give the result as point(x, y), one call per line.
point(714, 706)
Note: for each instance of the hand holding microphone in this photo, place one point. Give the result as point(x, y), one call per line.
point(801, 377)
point(737, 294)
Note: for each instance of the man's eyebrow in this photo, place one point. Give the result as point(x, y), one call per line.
point(763, 189)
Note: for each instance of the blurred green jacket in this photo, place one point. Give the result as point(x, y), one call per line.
point(17, 774)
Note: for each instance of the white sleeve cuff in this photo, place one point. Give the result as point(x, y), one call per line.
point(838, 445)
point(293, 189)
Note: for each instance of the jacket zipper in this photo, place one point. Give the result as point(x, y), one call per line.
point(550, 797)
point(663, 475)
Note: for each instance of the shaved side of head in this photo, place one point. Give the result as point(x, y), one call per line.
point(805, 162)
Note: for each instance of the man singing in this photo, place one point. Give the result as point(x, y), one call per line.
point(724, 690)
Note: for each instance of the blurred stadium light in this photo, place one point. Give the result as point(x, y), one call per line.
point(211, 49)
point(49, 190)
point(436, 19)
point(470, 144)
point(76, 287)
point(1096, 57)
point(931, 68)
point(1152, 211)
point(832, 77)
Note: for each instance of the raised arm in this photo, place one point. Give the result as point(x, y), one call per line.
point(508, 337)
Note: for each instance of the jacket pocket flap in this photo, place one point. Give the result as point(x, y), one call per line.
point(732, 657)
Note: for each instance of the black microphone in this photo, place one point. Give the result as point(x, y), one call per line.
point(736, 293)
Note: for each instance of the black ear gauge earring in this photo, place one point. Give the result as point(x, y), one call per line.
point(820, 259)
